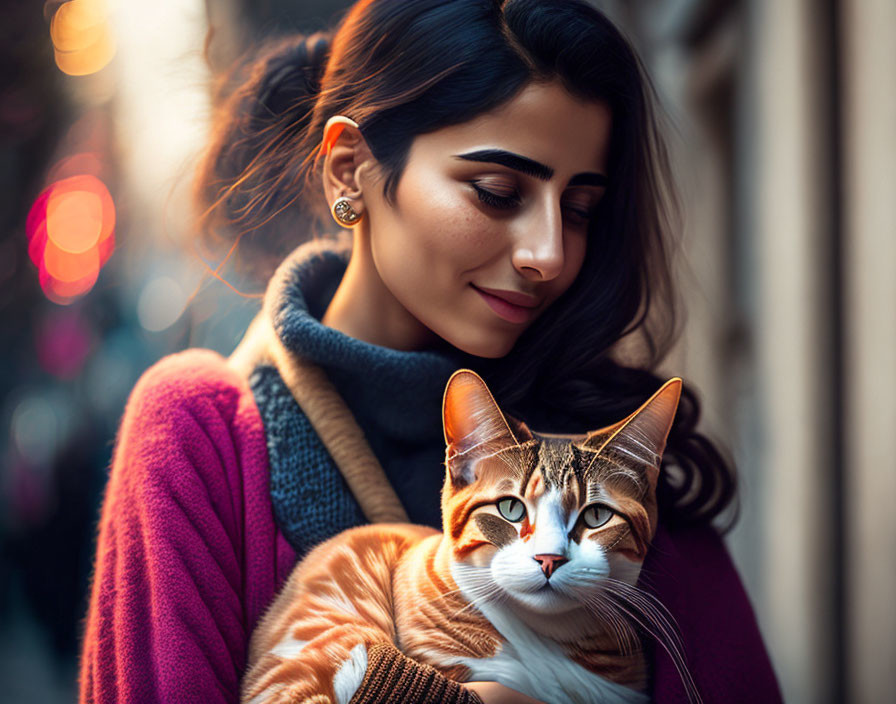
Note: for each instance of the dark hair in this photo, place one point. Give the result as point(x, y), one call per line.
point(401, 68)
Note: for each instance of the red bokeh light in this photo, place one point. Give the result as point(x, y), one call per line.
point(70, 230)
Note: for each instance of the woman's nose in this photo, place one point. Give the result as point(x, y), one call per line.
point(538, 249)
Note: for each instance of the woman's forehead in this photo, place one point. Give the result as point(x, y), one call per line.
point(544, 123)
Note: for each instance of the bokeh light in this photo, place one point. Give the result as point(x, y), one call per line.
point(77, 24)
point(82, 37)
point(42, 423)
point(113, 367)
point(63, 341)
point(74, 220)
point(70, 232)
point(36, 429)
point(161, 303)
point(68, 267)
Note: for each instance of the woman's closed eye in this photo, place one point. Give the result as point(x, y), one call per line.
point(505, 202)
point(494, 199)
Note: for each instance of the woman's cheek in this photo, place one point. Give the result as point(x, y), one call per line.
point(462, 223)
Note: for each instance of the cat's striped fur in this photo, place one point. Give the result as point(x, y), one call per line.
point(531, 584)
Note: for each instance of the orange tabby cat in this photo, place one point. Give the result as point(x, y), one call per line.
point(530, 585)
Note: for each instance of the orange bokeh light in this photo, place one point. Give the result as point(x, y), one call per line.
point(92, 205)
point(68, 267)
point(74, 220)
point(77, 24)
point(88, 60)
point(64, 292)
point(82, 37)
point(70, 229)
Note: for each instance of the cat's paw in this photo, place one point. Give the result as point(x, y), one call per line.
point(350, 674)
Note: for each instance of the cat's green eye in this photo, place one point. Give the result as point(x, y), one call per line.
point(512, 509)
point(596, 515)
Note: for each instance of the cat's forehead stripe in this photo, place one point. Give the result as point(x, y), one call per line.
point(554, 460)
point(582, 470)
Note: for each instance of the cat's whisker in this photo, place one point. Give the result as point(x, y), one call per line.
point(623, 630)
point(664, 632)
point(654, 618)
point(475, 600)
point(620, 619)
point(447, 596)
point(648, 602)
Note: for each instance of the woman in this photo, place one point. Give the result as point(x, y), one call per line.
point(502, 185)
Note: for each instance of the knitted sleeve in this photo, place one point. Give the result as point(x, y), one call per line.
point(187, 553)
point(393, 677)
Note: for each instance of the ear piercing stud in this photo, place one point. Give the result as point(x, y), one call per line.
point(344, 213)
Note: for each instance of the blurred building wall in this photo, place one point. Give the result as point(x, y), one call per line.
point(786, 141)
point(869, 265)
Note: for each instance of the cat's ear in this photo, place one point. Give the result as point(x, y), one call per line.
point(642, 436)
point(474, 425)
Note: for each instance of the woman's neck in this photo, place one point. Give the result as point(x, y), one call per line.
point(365, 309)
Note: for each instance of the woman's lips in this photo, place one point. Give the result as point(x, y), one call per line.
point(508, 311)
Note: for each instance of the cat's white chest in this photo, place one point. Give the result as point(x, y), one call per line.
point(541, 669)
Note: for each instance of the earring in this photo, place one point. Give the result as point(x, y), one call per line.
point(344, 213)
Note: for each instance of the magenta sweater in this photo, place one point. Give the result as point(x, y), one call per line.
point(188, 557)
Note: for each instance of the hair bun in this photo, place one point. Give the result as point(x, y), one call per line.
point(292, 70)
point(263, 107)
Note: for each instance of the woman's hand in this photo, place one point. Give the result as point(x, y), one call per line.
point(495, 693)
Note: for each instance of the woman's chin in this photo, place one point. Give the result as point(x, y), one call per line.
point(489, 348)
point(481, 341)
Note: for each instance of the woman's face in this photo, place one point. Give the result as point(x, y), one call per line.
point(501, 204)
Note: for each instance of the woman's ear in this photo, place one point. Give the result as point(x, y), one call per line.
point(345, 153)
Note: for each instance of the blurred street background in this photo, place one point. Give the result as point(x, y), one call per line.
point(782, 118)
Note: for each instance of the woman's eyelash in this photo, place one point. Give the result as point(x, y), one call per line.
point(494, 200)
point(497, 201)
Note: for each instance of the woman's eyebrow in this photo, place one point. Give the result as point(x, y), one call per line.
point(530, 167)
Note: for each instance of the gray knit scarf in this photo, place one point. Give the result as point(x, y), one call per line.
point(395, 397)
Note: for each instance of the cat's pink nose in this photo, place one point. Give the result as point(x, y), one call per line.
point(549, 563)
